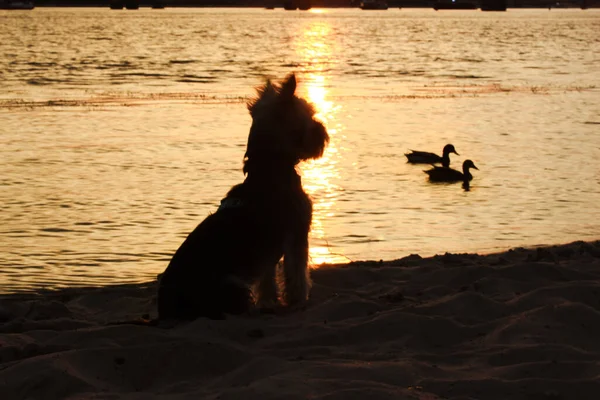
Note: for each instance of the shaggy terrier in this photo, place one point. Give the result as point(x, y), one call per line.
point(230, 261)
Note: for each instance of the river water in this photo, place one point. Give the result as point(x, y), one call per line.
point(121, 130)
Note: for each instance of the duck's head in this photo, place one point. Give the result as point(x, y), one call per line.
point(450, 149)
point(468, 164)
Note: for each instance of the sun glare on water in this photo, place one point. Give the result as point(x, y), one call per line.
point(315, 50)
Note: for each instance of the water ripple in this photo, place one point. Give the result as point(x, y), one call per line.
point(121, 131)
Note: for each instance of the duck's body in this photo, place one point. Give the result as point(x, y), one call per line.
point(424, 157)
point(446, 174)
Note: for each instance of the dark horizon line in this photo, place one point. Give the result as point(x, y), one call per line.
point(314, 3)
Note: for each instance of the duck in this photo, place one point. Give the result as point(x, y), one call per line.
point(423, 157)
point(447, 174)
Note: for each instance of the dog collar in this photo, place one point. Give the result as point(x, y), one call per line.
point(230, 202)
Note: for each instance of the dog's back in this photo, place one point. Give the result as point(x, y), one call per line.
point(212, 271)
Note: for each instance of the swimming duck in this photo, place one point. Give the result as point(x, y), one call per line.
point(445, 174)
point(423, 157)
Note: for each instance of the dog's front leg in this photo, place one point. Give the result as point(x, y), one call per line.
point(266, 290)
point(295, 270)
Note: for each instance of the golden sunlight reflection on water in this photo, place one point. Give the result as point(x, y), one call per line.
point(117, 141)
point(315, 48)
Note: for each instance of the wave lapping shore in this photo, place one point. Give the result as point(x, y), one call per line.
point(523, 324)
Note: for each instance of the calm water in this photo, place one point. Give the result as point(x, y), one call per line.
point(121, 130)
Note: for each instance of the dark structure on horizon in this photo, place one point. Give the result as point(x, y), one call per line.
point(493, 5)
point(455, 5)
point(484, 5)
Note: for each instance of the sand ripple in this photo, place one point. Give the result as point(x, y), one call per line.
point(523, 324)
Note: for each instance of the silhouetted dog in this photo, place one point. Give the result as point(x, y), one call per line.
point(234, 253)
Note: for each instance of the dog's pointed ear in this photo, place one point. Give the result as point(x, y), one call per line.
point(268, 86)
point(269, 90)
point(288, 87)
point(264, 91)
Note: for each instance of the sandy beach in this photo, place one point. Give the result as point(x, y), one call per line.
point(523, 324)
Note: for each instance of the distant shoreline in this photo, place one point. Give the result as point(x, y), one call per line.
point(576, 4)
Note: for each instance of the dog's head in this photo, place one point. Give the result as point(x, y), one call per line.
point(283, 125)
